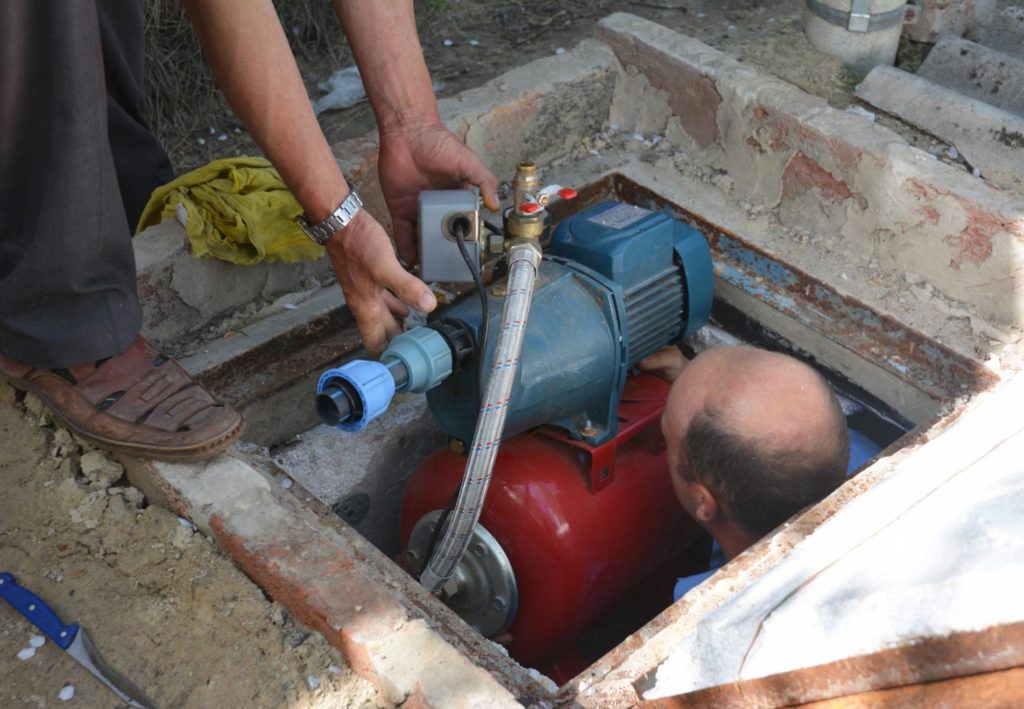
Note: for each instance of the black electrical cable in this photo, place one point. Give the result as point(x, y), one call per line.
point(459, 230)
point(436, 534)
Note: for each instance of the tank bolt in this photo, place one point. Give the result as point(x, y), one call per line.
point(498, 291)
point(457, 447)
point(479, 549)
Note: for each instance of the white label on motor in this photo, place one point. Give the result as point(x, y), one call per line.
point(619, 216)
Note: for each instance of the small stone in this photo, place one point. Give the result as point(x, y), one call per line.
point(222, 137)
point(474, 43)
point(333, 669)
point(100, 470)
point(560, 50)
point(37, 641)
point(286, 483)
point(448, 43)
point(359, 609)
point(313, 681)
point(66, 693)
point(27, 654)
point(201, 141)
point(133, 496)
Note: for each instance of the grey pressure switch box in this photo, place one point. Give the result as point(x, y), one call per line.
point(442, 214)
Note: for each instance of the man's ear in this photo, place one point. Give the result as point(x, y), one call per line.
point(706, 509)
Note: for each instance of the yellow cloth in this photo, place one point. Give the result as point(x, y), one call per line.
point(238, 211)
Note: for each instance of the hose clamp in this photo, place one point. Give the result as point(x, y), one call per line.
point(859, 18)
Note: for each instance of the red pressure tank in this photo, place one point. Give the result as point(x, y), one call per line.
point(580, 525)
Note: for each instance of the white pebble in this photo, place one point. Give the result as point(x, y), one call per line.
point(37, 641)
point(952, 153)
point(222, 137)
point(67, 693)
point(474, 43)
point(27, 653)
point(638, 136)
point(212, 130)
point(286, 483)
point(613, 126)
point(333, 669)
point(656, 139)
point(595, 153)
point(976, 172)
point(201, 141)
point(447, 43)
point(700, 15)
point(313, 681)
point(560, 50)
point(731, 28)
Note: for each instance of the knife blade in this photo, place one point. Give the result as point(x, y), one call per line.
point(72, 639)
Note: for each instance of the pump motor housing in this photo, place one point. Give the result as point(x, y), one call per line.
point(617, 283)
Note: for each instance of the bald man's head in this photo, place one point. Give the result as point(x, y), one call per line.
point(763, 432)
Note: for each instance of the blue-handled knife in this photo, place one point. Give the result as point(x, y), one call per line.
point(73, 640)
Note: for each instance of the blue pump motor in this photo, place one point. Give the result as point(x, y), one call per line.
point(618, 283)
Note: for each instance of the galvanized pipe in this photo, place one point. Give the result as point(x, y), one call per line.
point(524, 262)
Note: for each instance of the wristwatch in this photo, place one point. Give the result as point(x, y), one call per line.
point(338, 219)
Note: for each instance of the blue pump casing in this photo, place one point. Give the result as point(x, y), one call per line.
point(617, 283)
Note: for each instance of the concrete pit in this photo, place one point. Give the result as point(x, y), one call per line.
point(897, 274)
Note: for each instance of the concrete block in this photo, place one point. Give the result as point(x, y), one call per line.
point(935, 18)
point(989, 138)
point(181, 294)
point(978, 72)
point(389, 628)
point(851, 182)
point(537, 110)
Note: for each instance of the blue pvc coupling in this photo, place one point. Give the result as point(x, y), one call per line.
point(426, 356)
point(373, 384)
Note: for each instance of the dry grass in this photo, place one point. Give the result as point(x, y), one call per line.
point(181, 95)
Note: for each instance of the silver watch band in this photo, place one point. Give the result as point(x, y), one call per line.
point(338, 219)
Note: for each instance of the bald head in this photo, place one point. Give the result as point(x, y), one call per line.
point(762, 431)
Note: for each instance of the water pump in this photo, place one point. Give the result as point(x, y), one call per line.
point(580, 506)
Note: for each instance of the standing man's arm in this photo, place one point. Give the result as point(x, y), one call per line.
point(416, 151)
point(246, 47)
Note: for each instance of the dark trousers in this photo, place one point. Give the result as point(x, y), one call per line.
point(77, 164)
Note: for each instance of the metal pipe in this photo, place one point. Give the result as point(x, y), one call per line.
point(524, 262)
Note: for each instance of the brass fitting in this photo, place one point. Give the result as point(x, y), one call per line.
point(525, 182)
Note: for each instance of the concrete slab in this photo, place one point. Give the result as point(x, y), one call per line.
point(989, 138)
point(1005, 33)
point(978, 72)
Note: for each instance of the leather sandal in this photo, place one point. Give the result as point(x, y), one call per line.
point(138, 402)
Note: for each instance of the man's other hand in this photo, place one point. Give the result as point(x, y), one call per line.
point(667, 363)
point(371, 278)
point(426, 157)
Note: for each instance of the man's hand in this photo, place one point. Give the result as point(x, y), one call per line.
point(367, 269)
point(417, 158)
point(667, 363)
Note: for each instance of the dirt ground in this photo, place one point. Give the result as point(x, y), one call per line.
point(468, 42)
point(162, 603)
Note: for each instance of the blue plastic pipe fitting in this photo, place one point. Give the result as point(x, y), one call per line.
point(426, 356)
point(370, 385)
